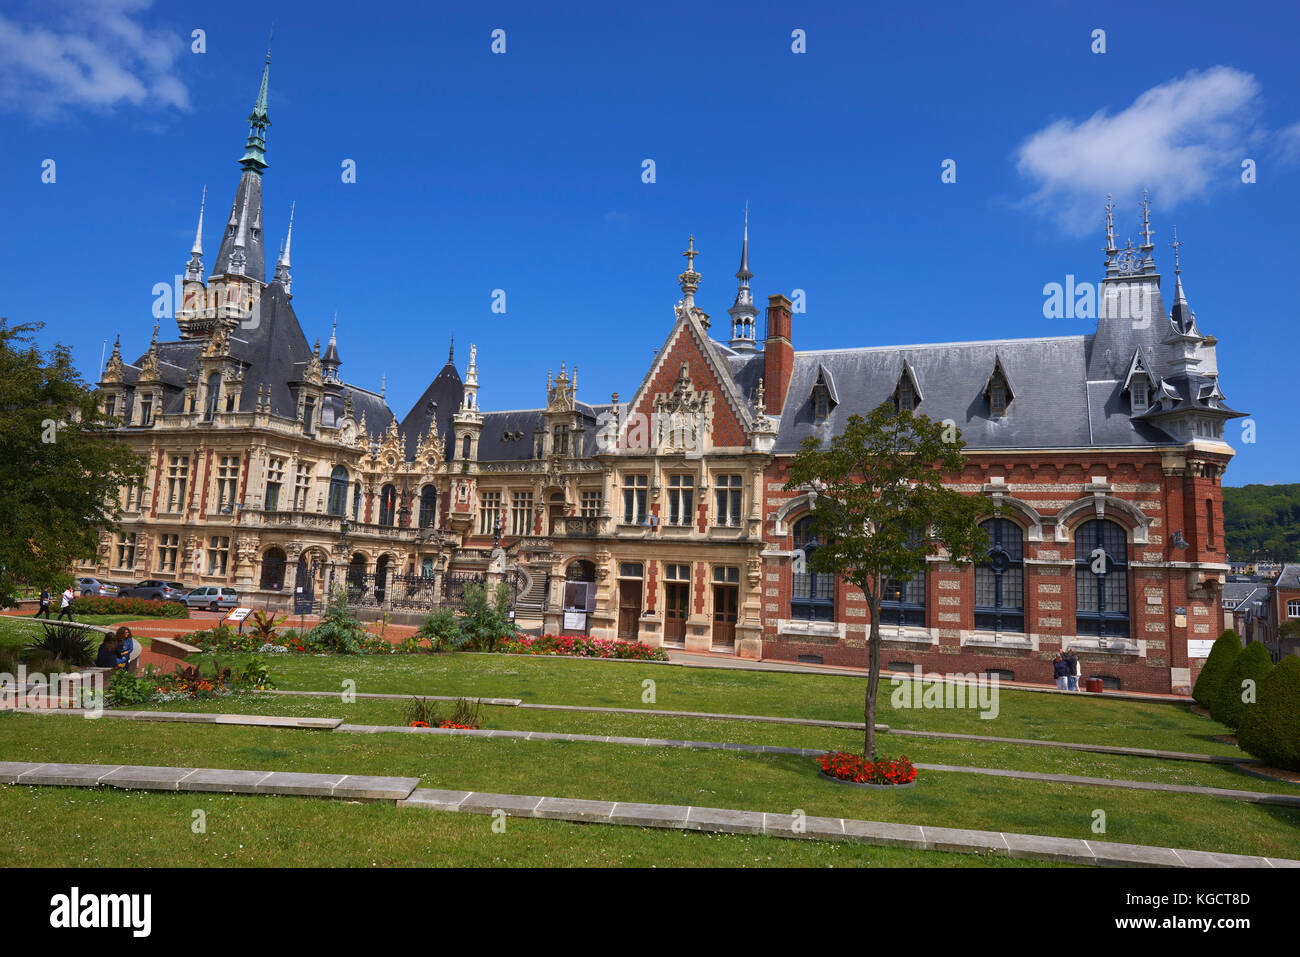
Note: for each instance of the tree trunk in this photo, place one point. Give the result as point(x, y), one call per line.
point(873, 681)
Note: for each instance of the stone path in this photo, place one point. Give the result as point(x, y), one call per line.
point(338, 725)
point(405, 792)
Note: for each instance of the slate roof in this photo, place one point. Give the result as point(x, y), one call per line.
point(439, 401)
point(250, 185)
point(1053, 405)
point(1289, 577)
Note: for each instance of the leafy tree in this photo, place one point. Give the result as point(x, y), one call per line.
point(1253, 664)
point(1215, 671)
point(880, 507)
point(1262, 522)
point(61, 471)
point(1270, 729)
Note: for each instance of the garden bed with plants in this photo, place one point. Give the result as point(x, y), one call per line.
point(580, 646)
point(854, 769)
point(186, 683)
point(423, 713)
point(139, 607)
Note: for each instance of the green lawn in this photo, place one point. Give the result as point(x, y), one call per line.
point(1022, 714)
point(928, 750)
point(728, 779)
point(62, 827)
point(774, 783)
point(16, 632)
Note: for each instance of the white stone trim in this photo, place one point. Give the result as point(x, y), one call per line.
point(786, 627)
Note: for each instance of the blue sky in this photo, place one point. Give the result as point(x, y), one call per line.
point(522, 171)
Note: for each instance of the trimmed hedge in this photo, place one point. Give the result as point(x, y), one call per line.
point(140, 607)
point(1216, 668)
point(1270, 729)
point(1252, 664)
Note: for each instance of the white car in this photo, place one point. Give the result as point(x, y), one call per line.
point(212, 597)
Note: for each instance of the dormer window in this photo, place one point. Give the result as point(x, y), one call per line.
point(906, 397)
point(823, 395)
point(907, 391)
point(1140, 395)
point(997, 390)
point(998, 398)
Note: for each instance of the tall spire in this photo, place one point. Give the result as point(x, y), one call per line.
point(743, 312)
point(194, 269)
point(254, 158)
point(283, 265)
point(1181, 314)
point(689, 280)
point(239, 257)
point(330, 361)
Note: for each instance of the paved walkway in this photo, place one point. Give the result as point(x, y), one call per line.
point(337, 724)
point(405, 792)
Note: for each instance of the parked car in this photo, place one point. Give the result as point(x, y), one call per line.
point(212, 597)
point(156, 589)
point(86, 587)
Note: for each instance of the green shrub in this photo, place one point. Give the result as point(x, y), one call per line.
point(1216, 668)
point(466, 714)
point(422, 712)
point(1253, 664)
point(139, 607)
point(67, 643)
point(126, 689)
point(484, 623)
point(441, 631)
point(255, 676)
point(339, 631)
point(1270, 729)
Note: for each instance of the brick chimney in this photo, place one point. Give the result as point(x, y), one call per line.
point(778, 353)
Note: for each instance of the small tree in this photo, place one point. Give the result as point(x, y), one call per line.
point(880, 508)
point(61, 471)
point(1270, 729)
point(1222, 654)
point(485, 622)
point(1253, 665)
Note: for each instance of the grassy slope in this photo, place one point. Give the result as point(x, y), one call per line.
point(772, 783)
point(48, 827)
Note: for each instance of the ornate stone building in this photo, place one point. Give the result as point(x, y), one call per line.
point(664, 517)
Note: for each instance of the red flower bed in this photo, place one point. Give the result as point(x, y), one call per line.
point(855, 768)
point(581, 646)
point(419, 724)
point(463, 727)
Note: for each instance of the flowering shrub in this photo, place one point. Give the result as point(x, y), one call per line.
point(854, 767)
point(224, 638)
point(140, 607)
point(581, 646)
point(186, 683)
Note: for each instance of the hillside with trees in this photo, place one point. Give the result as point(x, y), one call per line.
point(1262, 522)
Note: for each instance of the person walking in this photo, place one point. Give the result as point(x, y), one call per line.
point(1072, 679)
point(1060, 671)
point(66, 607)
point(45, 605)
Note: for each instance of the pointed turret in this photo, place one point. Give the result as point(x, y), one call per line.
point(194, 269)
point(254, 158)
point(283, 265)
point(743, 312)
point(330, 361)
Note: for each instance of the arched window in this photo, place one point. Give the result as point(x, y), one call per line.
point(210, 400)
point(428, 506)
point(356, 501)
point(387, 505)
point(273, 568)
point(464, 447)
point(1101, 579)
point(338, 499)
point(812, 597)
point(1000, 579)
point(902, 602)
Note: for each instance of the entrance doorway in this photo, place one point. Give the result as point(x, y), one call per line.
point(677, 598)
point(726, 601)
point(629, 609)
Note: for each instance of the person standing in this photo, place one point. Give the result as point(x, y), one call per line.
point(1072, 678)
point(1060, 671)
point(45, 605)
point(66, 607)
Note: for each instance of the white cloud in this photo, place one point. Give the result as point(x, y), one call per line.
point(1178, 139)
point(98, 55)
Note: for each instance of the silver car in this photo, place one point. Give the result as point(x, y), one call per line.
point(157, 589)
point(87, 587)
point(212, 597)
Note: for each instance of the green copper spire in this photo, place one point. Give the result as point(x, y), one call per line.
point(254, 158)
